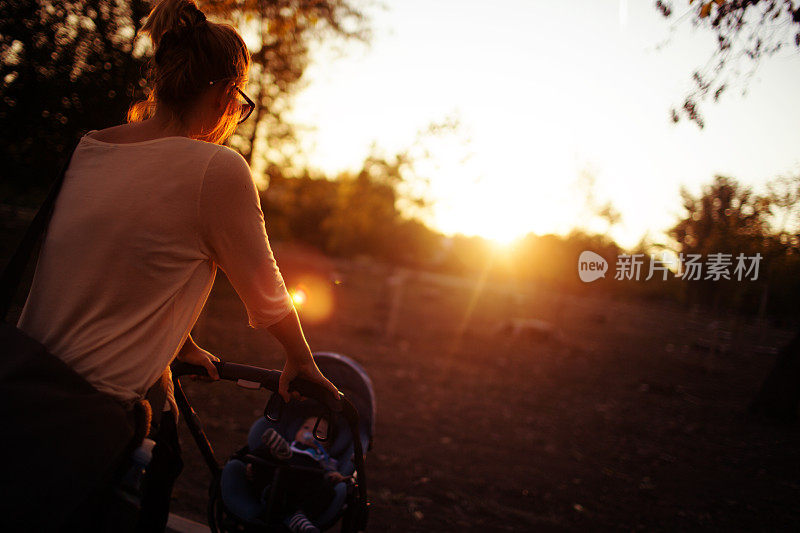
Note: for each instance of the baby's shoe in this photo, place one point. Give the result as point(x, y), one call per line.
point(298, 523)
point(277, 445)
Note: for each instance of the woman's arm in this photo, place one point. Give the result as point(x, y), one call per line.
point(233, 234)
point(299, 361)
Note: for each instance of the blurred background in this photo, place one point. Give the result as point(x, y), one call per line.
point(430, 173)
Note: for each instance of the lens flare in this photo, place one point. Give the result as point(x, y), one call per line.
point(299, 296)
point(313, 298)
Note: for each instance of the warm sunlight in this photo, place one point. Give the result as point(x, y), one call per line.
point(313, 297)
point(535, 114)
point(299, 297)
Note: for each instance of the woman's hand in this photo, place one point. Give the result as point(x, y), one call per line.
point(308, 370)
point(299, 361)
point(191, 353)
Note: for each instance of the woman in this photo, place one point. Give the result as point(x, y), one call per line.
point(147, 212)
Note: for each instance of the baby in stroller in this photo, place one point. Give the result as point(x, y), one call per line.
point(307, 492)
point(284, 479)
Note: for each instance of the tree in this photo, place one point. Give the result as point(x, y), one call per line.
point(373, 211)
point(749, 30)
point(366, 212)
point(746, 31)
point(724, 215)
point(725, 218)
point(65, 67)
point(284, 30)
point(728, 217)
point(296, 208)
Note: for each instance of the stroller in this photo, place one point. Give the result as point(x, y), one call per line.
point(232, 505)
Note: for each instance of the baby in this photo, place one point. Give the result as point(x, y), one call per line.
point(307, 492)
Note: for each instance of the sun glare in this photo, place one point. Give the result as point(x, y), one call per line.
point(501, 235)
point(533, 120)
point(298, 296)
point(313, 297)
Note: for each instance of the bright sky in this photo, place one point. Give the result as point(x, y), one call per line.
point(544, 90)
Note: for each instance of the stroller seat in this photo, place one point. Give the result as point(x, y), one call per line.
point(238, 495)
point(236, 505)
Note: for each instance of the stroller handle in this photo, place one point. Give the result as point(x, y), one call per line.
point(268, 379)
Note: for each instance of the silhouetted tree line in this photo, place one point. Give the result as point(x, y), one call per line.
point(728, 217)
point(358, 214)
point(352, 214)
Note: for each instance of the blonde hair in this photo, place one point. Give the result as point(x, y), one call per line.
point(190, 53)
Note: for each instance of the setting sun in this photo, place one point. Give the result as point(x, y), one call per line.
point(533, 116)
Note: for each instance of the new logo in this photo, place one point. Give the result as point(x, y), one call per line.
point(591, 266)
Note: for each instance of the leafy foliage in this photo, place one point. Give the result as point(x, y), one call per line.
point(68, 67)
point(65, 68)
point(284, 31)
point(727, 217)
point(746, 31)
point(356, 214)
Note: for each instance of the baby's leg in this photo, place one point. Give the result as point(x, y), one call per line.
point(276, 445)
point(299, 523)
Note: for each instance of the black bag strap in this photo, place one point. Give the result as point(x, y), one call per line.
point(14, 270)
point(12, 273)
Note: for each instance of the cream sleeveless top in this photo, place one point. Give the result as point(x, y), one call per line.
point(131, 252)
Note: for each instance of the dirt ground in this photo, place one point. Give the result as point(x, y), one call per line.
point(620, 418)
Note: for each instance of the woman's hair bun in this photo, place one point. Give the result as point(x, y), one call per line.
point(190, 52)
point(176, 17)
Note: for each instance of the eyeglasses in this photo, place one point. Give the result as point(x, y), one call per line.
point(246, 107)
